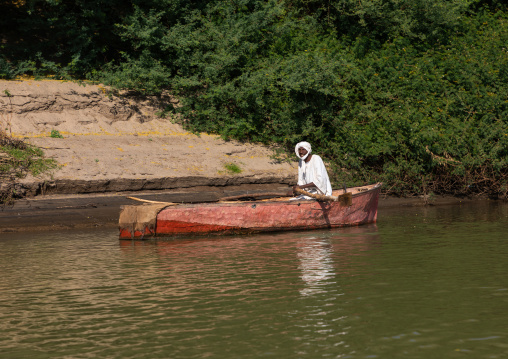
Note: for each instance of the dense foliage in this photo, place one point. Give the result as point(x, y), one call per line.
point(410, 92)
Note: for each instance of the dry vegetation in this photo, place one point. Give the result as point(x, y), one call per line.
point(17, 158)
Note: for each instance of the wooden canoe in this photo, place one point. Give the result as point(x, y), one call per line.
point(154, 219)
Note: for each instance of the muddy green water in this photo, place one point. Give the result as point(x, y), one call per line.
point(422, 283)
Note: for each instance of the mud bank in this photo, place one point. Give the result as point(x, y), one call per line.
point(55, 212)
point(75, 211)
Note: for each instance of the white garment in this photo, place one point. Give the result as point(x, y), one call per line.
point(314, 171)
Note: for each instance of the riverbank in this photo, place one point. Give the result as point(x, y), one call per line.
point(115, 147)
point(108, 148)
point(88, 211)
point(107, 144)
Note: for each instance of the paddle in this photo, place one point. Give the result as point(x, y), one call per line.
point(255, 195)
point(229, 198)
point(154, 202)
point(345, 199)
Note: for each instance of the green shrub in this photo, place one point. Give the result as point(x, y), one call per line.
point(17, 159)
point(232, 168)
point(55, 134)
point(411, 92)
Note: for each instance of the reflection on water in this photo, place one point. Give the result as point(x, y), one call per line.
point(316, 264)
point(318, 255)
point(424, 283)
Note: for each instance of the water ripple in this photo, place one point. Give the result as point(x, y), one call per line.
point(349, 293)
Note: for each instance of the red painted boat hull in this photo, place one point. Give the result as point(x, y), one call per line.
point(261, 216)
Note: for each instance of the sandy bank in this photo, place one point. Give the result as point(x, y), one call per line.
point(116, 144)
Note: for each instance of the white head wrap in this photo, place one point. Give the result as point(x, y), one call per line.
point(305, 145)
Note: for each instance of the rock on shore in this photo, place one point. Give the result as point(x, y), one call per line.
point(120, 144)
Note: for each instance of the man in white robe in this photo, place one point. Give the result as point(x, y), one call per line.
point(312, 175)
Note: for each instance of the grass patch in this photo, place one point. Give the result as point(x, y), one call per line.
point(232, 168)
point(17, 160)
point(23, 161)
point(55, 134)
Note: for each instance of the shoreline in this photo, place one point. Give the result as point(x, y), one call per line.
point(91, 210)
point(54, 212)
point(114, 147)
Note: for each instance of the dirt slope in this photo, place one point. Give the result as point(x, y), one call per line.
point(113, 144)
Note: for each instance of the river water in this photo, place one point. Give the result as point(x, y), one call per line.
point(426, 282)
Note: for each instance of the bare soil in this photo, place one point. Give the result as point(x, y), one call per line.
point(113, 143)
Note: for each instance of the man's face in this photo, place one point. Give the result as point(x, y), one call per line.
point(302, 151)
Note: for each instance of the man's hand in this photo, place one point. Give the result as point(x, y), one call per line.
point(291, 192)
point(304, 187)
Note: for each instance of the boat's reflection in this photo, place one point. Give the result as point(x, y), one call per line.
point(297, 276)
point(316, 264)
point(321, 254)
